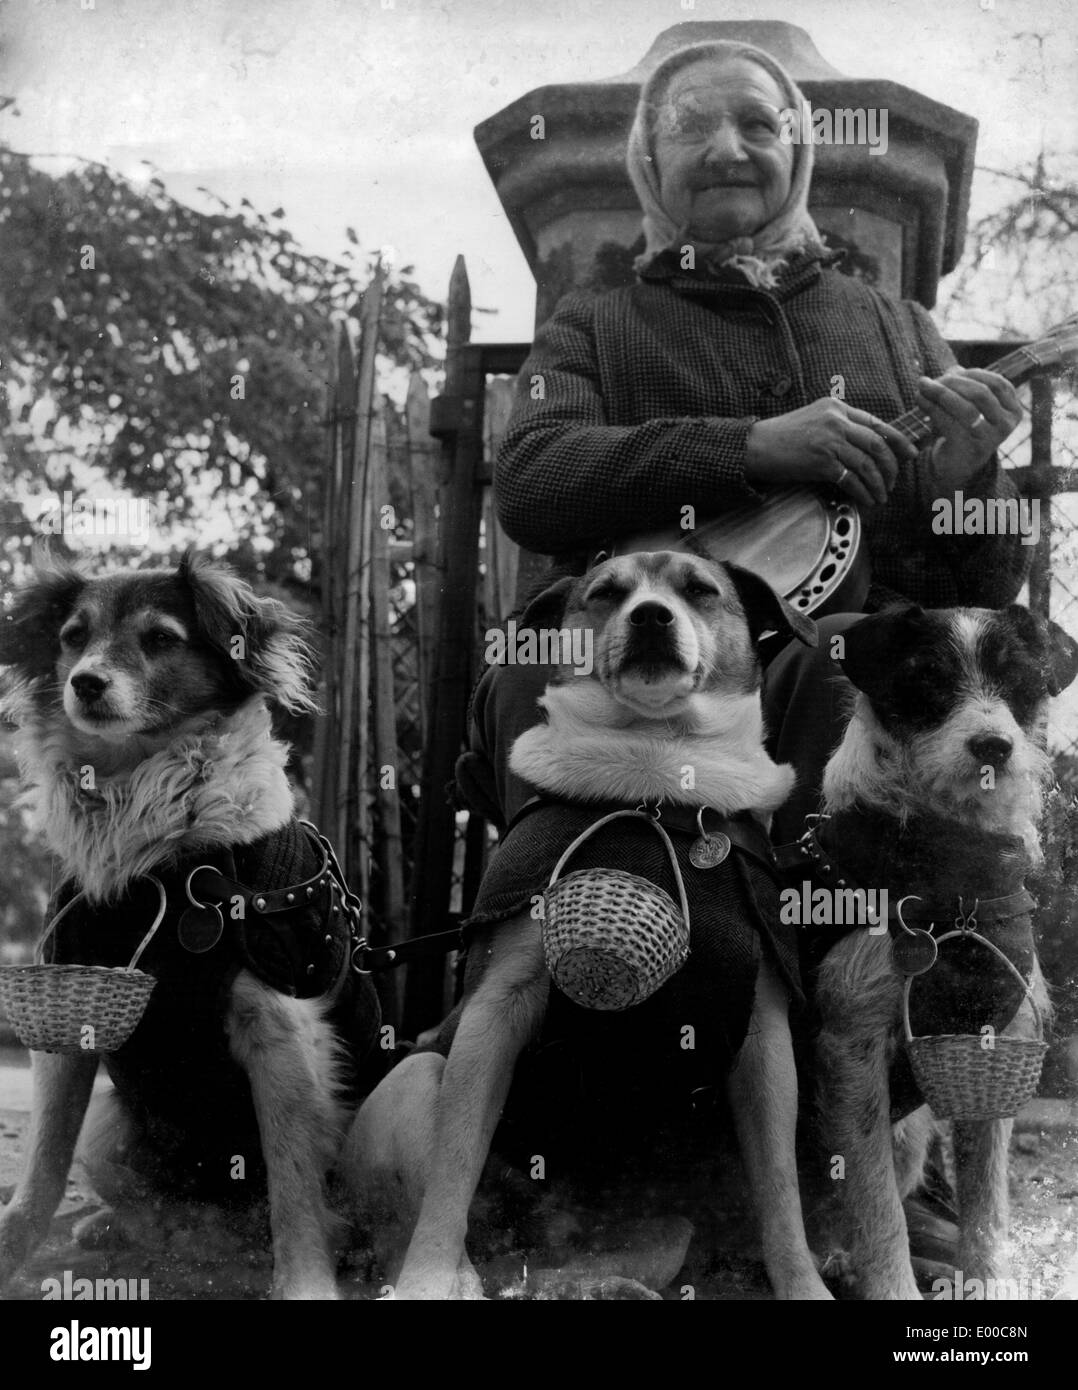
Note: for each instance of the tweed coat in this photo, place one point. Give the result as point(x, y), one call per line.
point(637, 402)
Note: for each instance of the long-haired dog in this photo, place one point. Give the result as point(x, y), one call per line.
point(667, 714)
point(934, 795)
point(144, 739)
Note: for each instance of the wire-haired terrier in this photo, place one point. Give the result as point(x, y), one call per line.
point(934, 794)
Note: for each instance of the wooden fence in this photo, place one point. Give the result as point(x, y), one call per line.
point(414, 568)
point(413, 565)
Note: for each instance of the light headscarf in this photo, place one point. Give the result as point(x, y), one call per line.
point(761, 256)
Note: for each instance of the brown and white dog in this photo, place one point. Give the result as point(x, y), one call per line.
point(934, 794)
point(674, 683)
point(145, 743)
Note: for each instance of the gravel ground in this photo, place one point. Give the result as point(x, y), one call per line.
point(205, 1261)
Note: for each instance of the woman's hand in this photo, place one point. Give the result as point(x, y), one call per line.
point(974, 412)
point(828, 442)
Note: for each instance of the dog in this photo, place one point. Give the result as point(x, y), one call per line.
point(142, 701)
point(933, 794)
point(667, 713)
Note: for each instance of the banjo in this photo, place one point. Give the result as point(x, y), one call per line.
point(809, 546)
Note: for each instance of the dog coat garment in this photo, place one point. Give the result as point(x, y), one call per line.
point(599, 1080)
point(950, 871)
point(175, 1070)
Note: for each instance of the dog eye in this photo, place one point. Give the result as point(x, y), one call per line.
point(161, 639)
point(74, 637)
point(606, 593)
point(698, 588)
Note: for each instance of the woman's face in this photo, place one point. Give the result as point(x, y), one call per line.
point(723, 170)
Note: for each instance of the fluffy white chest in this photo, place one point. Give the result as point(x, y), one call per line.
point(593, 748)
point(224, 785)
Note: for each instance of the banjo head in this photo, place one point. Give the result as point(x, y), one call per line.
point(804, 546)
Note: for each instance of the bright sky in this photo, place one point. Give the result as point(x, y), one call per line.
point(360, 112)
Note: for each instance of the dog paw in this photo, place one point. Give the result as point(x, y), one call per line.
point(806, 1290)
point(308, 1291)
point(464, 1286)
point(899, 1290)
point(16, 1240)
point(100, 1230)
point(553, 1284)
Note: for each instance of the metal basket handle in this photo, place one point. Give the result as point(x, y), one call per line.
point(39, 949)
point(587, 833)
point(975, 936)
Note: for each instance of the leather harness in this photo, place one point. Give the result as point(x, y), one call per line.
point(810, 856)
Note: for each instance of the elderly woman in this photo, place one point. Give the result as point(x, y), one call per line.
point(709, 380)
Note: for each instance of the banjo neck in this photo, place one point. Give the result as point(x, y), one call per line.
point(1017, 366)
point(808, 546)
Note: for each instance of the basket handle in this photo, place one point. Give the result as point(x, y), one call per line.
point(976, 936)
point(590, 830)
point(39, 949)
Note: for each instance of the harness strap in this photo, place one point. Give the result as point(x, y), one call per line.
point(367, 958)
point(744, 831)
point(808, 855)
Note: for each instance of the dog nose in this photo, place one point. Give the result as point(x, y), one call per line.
point(651, 614)
point(991, 748)
point(88, 688)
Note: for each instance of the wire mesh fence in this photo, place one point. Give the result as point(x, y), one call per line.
point(1058, 525)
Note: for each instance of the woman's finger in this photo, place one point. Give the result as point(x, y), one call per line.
point(862, 481)
point(899, 444)
point(967, 402)
point(872, 444)
point(1002, 389)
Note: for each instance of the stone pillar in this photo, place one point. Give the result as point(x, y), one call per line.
point(557, 159)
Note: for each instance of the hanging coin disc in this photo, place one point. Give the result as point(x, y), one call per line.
point(708, 851)
point(200, 928)
point(914, 951)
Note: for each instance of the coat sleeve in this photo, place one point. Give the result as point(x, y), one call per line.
point(566, 477)
point(988, 570)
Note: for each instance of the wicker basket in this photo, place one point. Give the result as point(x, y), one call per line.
point(612, 938)
point(51, 1006)
point(959, 1077)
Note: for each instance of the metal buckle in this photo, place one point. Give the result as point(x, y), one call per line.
point(810, 846)
point(910, 897)
point(361, 945)
point(353, 905)
point(187, 886)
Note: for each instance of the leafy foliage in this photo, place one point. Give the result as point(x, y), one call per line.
point(1021, 273)
point(174, 355)
point(28, 875)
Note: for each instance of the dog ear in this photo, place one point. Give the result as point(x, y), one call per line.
point(262, 639)
point(873, 647)
point(29, 630)
point(547, 608)
point(1062, 658)
point(766, 611)
point(1057, 650)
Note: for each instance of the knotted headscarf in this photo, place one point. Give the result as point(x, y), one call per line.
point(761, 256)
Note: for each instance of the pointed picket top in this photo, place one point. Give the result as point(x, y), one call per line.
point(459, 309)
point(346, 367)
point(371, 310)
point(417, 410)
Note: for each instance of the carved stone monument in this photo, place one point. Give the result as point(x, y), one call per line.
point(557, 159)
